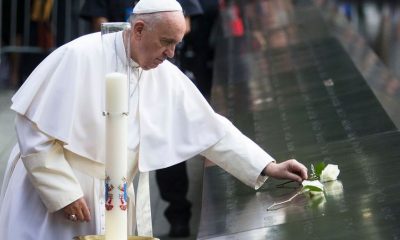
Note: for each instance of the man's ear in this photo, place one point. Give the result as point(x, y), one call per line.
point(138, 29)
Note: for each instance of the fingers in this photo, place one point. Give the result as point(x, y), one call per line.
point(299, 169)
point(294, 177)
point(304, 174)
point(79, 214)
point(290, 169)
point(77, 211)
point(86, 212)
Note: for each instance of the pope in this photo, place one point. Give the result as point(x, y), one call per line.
point(54, 182)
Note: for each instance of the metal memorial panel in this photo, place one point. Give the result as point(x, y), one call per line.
point(291, 83)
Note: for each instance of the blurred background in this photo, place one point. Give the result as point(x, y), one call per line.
point(30, 29)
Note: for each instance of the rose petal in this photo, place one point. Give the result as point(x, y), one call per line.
point(329, 173)
point(315, 183)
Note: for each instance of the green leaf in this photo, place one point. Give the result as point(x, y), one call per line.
point(318, 168)
point(312, 188)
point(315, 185)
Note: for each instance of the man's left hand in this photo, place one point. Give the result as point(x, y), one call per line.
point(290, 169)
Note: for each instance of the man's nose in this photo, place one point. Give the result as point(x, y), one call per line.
point(170, 51)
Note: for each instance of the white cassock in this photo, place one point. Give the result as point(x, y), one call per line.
point(60, 152)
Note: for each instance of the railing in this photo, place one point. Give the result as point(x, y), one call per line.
point(37, 26)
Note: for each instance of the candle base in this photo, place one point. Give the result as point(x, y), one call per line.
point(102, 237)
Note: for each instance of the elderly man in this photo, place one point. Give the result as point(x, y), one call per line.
point(54, 184)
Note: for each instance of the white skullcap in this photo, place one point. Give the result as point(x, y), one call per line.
point(152, 6)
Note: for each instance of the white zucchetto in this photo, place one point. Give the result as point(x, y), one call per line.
point(152, 6)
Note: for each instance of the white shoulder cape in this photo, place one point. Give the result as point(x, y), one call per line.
point(64, 97)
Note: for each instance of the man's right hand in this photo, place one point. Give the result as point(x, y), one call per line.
point(77, 211)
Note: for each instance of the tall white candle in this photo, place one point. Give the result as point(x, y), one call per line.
point(116, 156)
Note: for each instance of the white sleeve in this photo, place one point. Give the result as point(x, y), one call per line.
point(47, 168)
point(240, 156)
point(30, 139)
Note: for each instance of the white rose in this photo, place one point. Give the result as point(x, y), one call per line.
point(330, 173)
point(315, 184)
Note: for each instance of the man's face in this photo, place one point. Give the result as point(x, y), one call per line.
point(158, 43)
